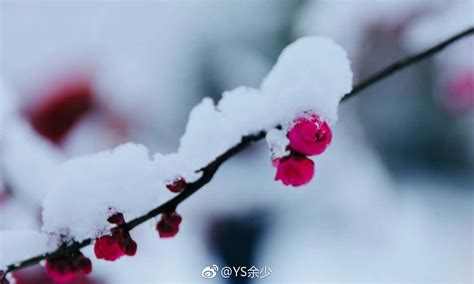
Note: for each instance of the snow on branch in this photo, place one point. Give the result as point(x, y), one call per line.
point(311, 74)
point(103, 196)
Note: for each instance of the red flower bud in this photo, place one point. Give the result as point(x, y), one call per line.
point(119, 243)
point(116, 219)
point(168, 226)
point(310, 136)
point(177, 185)
point(294, 170)
point(65, 268)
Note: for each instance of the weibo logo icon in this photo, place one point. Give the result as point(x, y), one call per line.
point(209, 272)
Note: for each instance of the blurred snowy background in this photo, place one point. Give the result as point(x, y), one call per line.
point(391, 200)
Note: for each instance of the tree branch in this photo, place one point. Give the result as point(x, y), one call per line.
point(410, 60)
point(209, 171)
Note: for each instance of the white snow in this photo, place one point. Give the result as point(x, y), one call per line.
point(5, 111)
point(7, 103)
point(173, 166)
point(208, 134)
point(26, 159)
point(29, 161)
point(311, 74)
point(277, 142)
point(86, 190)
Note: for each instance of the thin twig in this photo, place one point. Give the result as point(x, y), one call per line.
point(407, 61)
point(209, 171)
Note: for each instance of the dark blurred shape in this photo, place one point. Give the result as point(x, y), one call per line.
point(61, 108)
point(235, 239)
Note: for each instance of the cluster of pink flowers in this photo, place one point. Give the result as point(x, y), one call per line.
point(114, 245)
point(308, 136)
point(108, 247)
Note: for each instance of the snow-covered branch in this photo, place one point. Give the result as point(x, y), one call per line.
point(302, 92)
